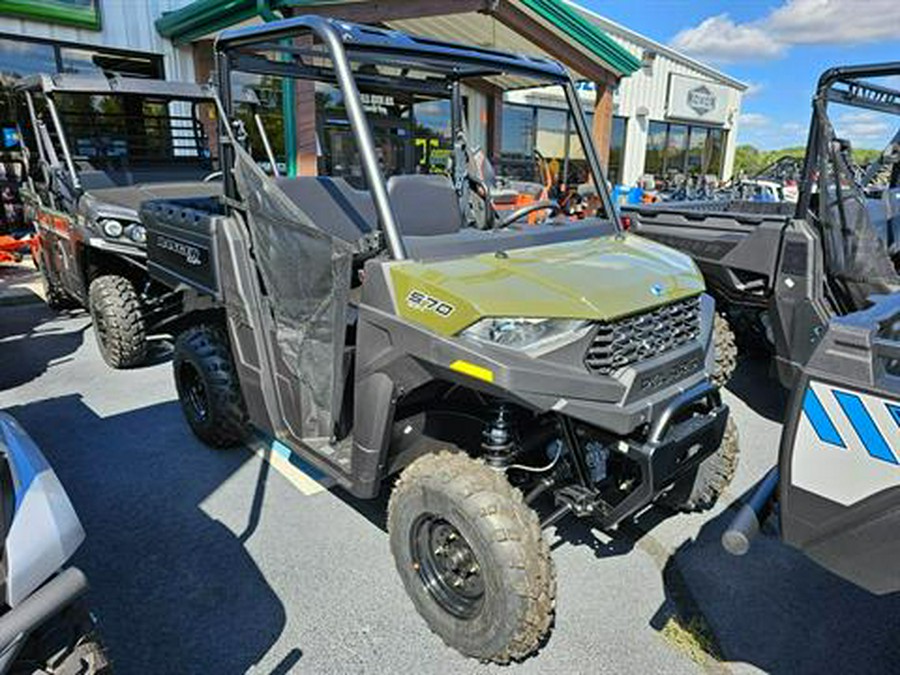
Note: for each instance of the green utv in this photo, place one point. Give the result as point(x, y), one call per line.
point(509, 373)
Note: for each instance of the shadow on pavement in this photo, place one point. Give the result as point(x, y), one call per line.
point(777, 610)
point(46, 346)
point(606, 544)
point(159, 350)
point(176, 591)
point(761, 391)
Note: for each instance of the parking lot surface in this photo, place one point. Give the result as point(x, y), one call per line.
point(206, 561)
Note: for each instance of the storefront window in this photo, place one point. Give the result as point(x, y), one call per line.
point(517, 142)
point(19, 59)
point(715, 152)
point(617, 149)
point(517, 133)
point(676, 149)
point(433, 139)
point(86, 61)
point(537, 140)
point(656, 147)
point(696, 146)
point(679, 149)
point(551, 132)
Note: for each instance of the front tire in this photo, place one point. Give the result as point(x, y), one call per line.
point(118, 321)
point(472, 557)
point(208, 387)
point(725, 345)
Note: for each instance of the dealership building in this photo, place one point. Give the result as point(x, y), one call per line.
point(651, 110)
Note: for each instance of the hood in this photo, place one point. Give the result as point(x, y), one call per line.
point(124, 202)
point(594, 279)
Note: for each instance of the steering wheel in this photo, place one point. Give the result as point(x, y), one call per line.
point(520, 213)
point(212, 176)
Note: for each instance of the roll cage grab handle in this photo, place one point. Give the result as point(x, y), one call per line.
point(325, 30)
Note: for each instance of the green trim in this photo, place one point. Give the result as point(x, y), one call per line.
point(570, 22)
point(54, 11)
point(202, 17)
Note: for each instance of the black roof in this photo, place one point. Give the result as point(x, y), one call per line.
point(99, 84)
point(365, 41)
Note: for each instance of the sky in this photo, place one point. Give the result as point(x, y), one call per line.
point(779, 48)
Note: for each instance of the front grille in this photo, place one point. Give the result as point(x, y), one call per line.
point(635, 338)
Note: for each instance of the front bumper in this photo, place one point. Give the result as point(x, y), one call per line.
point(673, 449)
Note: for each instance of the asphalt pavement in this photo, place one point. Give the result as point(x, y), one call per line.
point(205, 561)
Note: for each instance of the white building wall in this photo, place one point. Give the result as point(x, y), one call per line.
point(648, 89)
point(126, 24)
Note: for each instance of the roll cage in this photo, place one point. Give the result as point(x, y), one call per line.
point(856, 236)
point(447, 64)
point(846, 85)
point(48, 86)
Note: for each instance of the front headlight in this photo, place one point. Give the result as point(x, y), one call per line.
point(524, 333)
point(112, 227)
point(137, 233)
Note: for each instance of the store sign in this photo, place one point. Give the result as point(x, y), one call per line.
point(693, 99)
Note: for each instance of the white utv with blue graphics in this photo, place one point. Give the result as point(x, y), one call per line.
point(838, 477)
point(43, 626)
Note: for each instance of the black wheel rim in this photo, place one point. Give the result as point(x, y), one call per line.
point(194, 391)
point(447, 566)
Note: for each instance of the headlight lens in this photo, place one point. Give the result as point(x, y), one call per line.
point(524, 333)
point(137, 233)
point(112, 228)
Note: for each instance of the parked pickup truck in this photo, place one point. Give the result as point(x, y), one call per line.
point(103, 146)
point(780, 271)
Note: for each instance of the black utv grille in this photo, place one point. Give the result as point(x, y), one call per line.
point(621, 343)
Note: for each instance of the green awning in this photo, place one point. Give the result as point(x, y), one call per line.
point(204, 17)
point(589, 36)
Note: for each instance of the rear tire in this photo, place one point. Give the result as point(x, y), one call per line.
point(118, 321)
point(726, 351)
point(472, 557)
point(700, 490)
point(208, 387)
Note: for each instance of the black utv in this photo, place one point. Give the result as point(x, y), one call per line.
point(779, 271)
point(103, 146)
point(509, 373)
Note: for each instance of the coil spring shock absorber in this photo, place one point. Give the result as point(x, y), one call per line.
point(498, 439)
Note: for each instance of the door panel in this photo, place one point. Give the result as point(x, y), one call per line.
point(840, 454)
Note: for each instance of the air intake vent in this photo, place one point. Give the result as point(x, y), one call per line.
point(635, 338)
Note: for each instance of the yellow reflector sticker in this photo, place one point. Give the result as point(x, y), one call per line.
point(470, 369)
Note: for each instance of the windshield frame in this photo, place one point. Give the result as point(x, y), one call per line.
point(368, 44)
